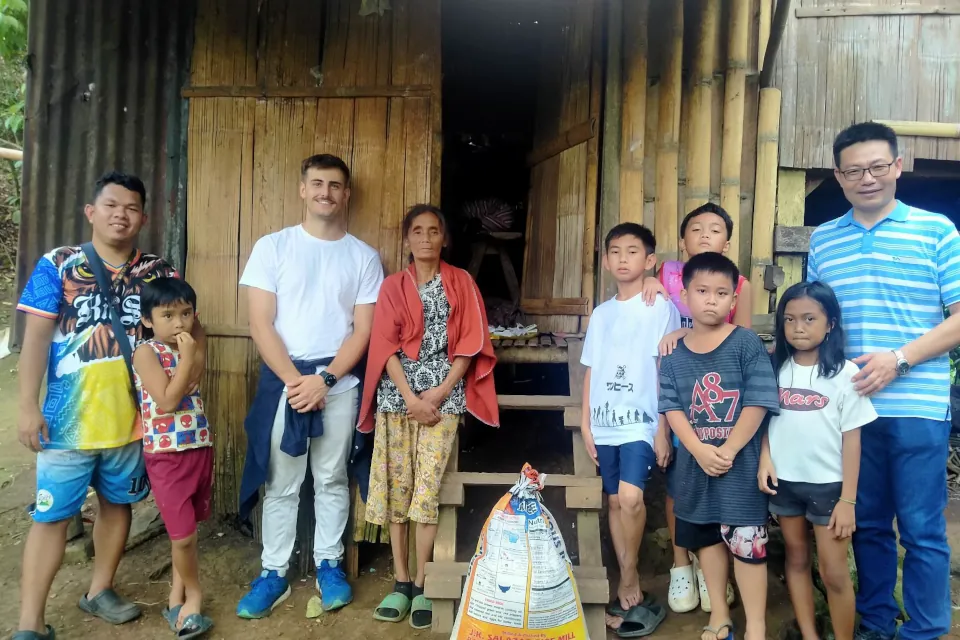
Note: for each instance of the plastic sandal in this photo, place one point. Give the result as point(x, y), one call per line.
point(731, 631)
point(395, 601)
point(194, 626)
point(171, 616)
point(614, 609)
point(421, 605)
point(641, 621)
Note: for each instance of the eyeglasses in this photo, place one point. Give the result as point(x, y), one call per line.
point(877, 171)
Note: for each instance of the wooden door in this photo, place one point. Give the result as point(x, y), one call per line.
point(559, 258)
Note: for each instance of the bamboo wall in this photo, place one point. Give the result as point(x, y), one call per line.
point(272, 83)
point(890, 60)
point(693, 66)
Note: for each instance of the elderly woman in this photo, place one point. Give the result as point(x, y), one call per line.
point(430, 362)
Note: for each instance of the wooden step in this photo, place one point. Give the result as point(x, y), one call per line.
point(582, 492)
point(444, 581)
point(543, 403)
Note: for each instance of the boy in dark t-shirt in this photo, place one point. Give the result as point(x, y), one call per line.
point(715, 390)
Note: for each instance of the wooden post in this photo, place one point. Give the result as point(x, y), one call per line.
point(612, 125)
point(668, 139)
point(635, 13)
point(768, 140)
point(735, 88)
point(701, 105)
point(590, 261)
point(791, 199)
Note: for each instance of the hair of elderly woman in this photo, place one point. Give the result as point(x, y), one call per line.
point(419, 209)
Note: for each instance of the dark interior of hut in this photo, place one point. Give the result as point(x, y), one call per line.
point(491, 65)
point(490, 68)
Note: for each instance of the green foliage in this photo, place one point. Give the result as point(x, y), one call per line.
point(13, 29)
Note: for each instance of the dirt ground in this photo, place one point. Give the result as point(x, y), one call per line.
point(229, 561)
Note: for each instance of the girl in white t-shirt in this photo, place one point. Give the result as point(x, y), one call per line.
point(811, 452)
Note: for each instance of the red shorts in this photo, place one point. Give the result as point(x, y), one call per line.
point(181, 482)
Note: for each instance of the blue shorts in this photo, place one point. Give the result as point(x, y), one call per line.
point(672, 478)
point(630, 462)
point(63, 475)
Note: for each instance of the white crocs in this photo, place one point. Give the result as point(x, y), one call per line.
point(683, 595)
point(704, 596)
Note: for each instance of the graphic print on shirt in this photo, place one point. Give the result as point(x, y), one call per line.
point(802, 399)
point(88, 403)
point(604, 416)
point(713, 404)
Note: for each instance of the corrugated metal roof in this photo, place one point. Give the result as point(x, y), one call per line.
point(103, 92)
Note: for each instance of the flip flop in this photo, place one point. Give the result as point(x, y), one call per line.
point(395, 601)
point(171, 616)
point(194, 626)
point(421, 605)
point(641, 620)
point(731, 630)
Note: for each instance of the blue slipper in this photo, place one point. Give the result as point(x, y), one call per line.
point(171, 616)
point(194, 626)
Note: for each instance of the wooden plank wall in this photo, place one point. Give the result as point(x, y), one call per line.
point(838, 70)
point(557, 224)
point(245, 154)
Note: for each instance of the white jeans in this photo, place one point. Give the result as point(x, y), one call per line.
point(328, 457)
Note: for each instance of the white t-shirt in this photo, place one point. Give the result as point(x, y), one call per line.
point(806, 439)
point(317, 284)
point(621, 349)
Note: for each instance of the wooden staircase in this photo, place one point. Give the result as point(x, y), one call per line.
point(444, 576)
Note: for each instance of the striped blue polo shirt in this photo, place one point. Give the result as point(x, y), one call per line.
point(892, 282)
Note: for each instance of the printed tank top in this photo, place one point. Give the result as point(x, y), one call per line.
point(185, 428)
point(671, 276)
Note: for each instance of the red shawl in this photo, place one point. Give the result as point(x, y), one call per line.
point(398, 325)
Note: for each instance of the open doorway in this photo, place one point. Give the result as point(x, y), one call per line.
point(491, 61)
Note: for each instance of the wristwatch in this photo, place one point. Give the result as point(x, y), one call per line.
point(329, 379)
point(903, 367)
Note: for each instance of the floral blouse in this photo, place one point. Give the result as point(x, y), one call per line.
point(433, 365)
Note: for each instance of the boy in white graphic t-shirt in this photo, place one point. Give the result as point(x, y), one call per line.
point(621, 428)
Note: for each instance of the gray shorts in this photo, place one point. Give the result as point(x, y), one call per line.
point(815, 501)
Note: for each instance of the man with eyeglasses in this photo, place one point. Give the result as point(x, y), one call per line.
point(894, 268)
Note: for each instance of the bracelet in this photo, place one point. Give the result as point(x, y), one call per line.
point(853, 502)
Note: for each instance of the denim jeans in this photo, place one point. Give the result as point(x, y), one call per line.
point(903, 473)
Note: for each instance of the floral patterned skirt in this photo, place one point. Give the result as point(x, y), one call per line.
point(408, 464)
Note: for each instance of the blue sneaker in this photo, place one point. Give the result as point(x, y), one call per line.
point(266, 593)
point(332, 585)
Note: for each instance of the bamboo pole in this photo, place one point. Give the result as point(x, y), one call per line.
point(11, 154)
point(668, 139)
point(735, 89)
point(923, 129)
point(568, 139)
point(701, 104)
point(610, 146)
point(766, 18)
point(764, 211)
point(635, 13)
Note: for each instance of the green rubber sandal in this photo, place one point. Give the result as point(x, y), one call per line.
point(393, 608)
point(421, 613)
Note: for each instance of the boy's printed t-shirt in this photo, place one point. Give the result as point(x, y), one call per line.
point(185, 428)
point(89, 403)
point(806, 439)
point(317, 284)
point(621, 349)
point(712, 389)
point(671, 277)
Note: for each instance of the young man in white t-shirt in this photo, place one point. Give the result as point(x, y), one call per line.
point(621, 428)
point(312, 290)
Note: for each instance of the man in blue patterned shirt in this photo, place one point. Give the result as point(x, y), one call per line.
point(894, 268)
